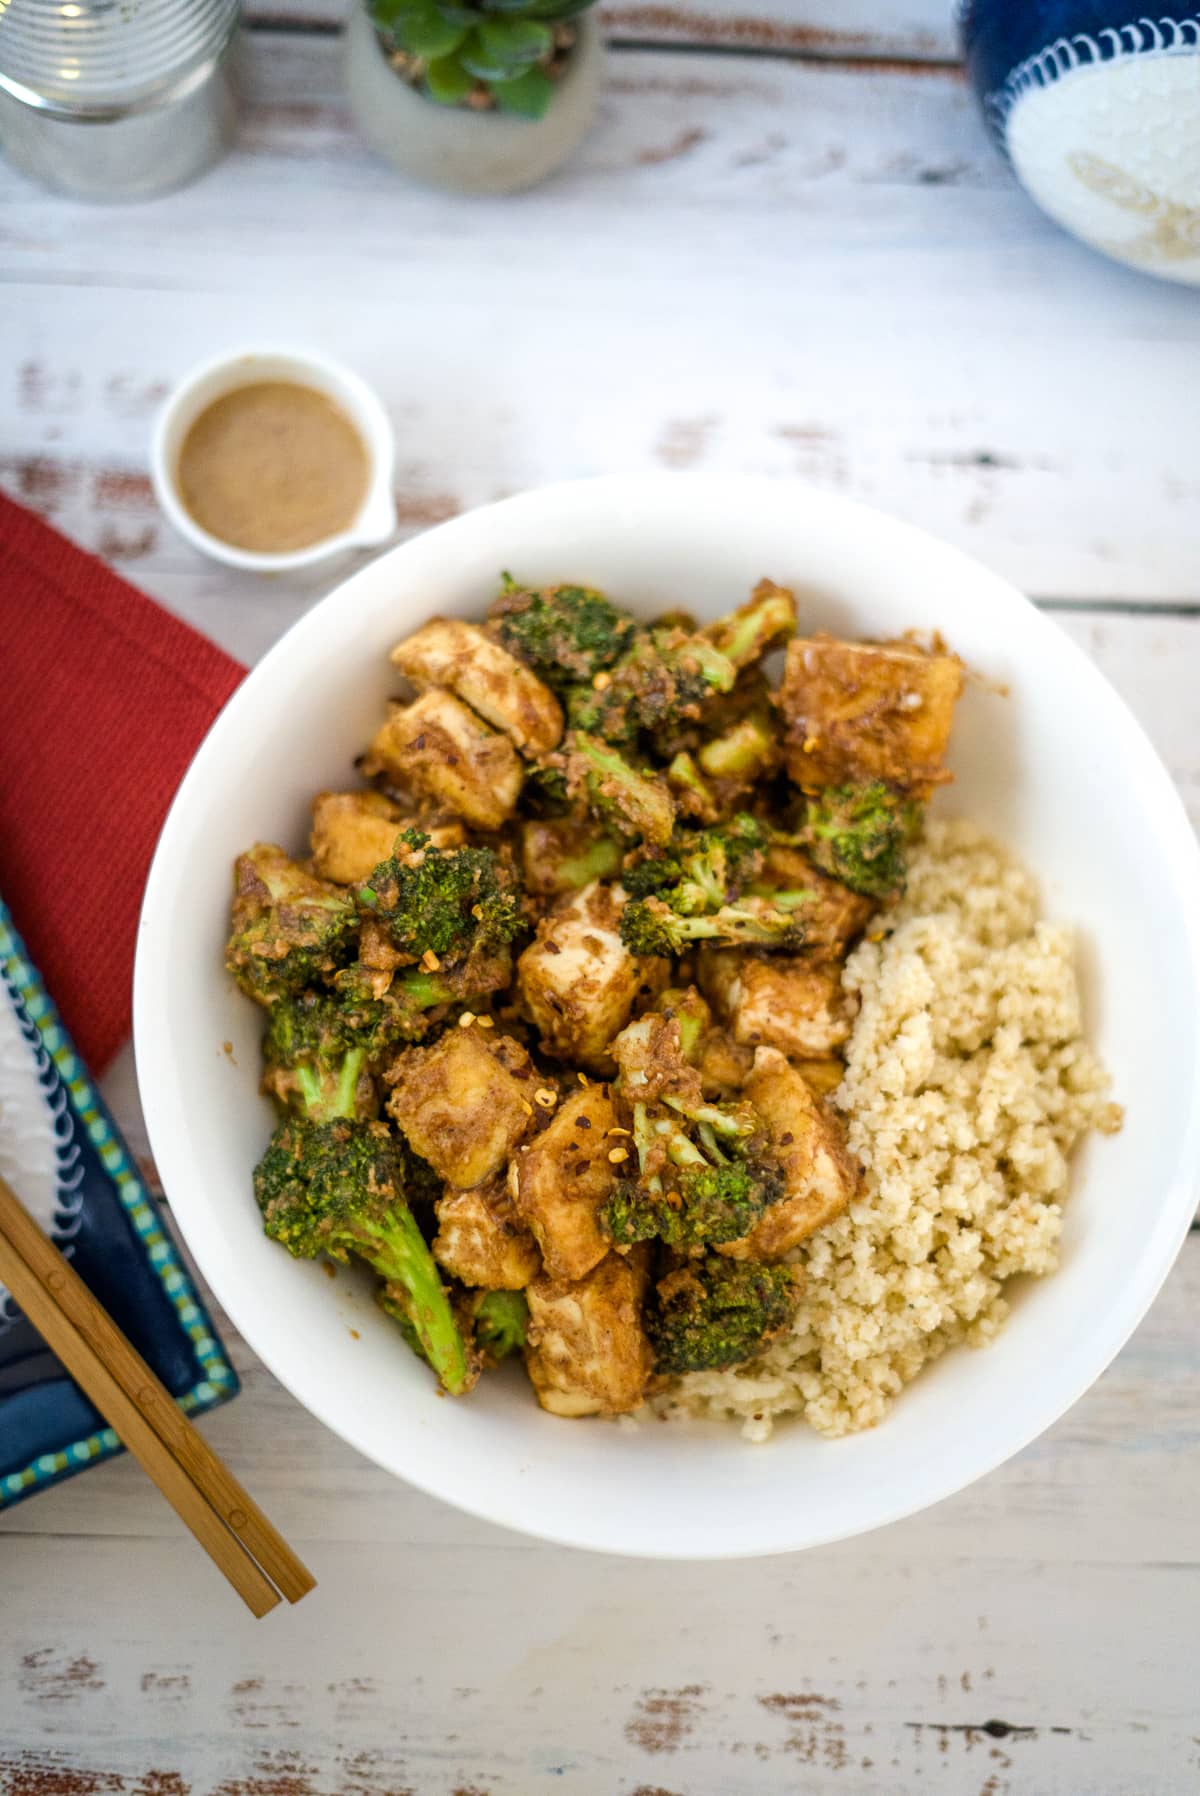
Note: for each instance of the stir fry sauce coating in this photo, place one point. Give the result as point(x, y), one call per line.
point(554, 997)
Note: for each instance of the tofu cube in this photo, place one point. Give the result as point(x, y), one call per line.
point(819, 1175)
point(859, 711)
point(588, 1353)
point(351, 833)
point(778, 1000)
point(482, 1241)
point(579, 982)
point(459, 1106)
point(439, 750)
point(473, 665)
point(560, 1180)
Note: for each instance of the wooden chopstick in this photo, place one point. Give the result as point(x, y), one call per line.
point(199, 1486)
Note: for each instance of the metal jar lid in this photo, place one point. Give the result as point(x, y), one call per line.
point(108, 59)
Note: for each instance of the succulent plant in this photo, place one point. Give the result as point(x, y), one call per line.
point(502, 53)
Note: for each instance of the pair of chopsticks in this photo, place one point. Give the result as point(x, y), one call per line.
point(201, 1489)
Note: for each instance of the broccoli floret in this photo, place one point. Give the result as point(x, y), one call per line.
point(768, 617)
point(715, 1312)
point(701, 1206)
point(450, 902)
point(501, 1322)
point(650, 926)
point(699, 870)
point(566, 634)
point(405, 1010)
point(692, 892)
point(860, 835)
point(693, 1193)
point(313, 1059)
point(661, 681)
point(288, 927)
point(322, 1042)
point(634, 804)
point(331, 1183)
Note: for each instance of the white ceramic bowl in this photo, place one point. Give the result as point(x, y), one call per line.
point(1059, 768)
point(375, 519)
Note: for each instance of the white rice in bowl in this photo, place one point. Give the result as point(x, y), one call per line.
point(968, 1083)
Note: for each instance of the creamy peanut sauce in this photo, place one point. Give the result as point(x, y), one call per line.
point(273, 466)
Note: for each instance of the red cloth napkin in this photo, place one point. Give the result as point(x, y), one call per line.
point(105, 699)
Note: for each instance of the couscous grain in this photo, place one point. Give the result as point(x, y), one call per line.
point(968, 1083)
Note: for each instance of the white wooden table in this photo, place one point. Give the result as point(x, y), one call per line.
point(786, 247)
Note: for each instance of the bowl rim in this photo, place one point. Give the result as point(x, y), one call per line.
point(1081, 1362)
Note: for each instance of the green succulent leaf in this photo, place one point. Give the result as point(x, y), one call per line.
point(421, 29)
point(528, 96)
point(385, 13)
point(448, 82)
point(466, 16)
point(501, 49)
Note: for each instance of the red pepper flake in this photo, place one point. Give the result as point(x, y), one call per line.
point(786, 1140)
point(552, 947)
point(583, 1122)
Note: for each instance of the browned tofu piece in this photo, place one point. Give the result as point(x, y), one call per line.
point(588, 1354)
point(438, 749)
point(834, 915)
point(579, 982)
point(821, 1076)
point(560, 1180)
point(861, 711)
point(448, 652)
point(351, 833)
point(564, 854)
point(779, 1000)
point(819, 1175)
point(482, 1241)
point(460, 1106)
point(724, 1064)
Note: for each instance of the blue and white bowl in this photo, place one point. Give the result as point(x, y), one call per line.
point(1097, 108)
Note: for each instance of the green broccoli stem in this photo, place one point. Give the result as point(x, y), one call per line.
point(643, 1141)
point(743, 752)
point(750, 630)
point(323, 1102)
point(721, 1122)
point(397, 1251)
point(422, 990)
point(600, 860)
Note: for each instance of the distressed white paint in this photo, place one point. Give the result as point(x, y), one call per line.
point(921, 29)
point(754, 264)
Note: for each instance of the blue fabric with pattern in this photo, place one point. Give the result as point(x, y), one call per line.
point(120, 1247)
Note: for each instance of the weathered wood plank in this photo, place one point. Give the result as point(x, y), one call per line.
point(920, 29)
point(793, 269)
point(447, 1672)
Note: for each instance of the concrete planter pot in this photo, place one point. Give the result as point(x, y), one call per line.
point(453, 147)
